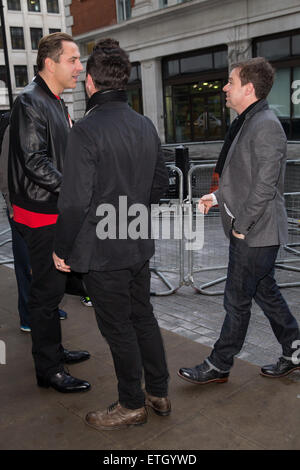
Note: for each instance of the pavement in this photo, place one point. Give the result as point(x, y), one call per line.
point(249, 412)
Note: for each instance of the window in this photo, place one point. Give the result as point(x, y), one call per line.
point(21, 75)
point(3, 76)
point(195, 63)
point(163, 3)
point(13, 5)
point(52, 6)
point(283, 51)
point(54, 30)
point(123, 9)
point(194, 103)
point(134, 89)
point(17, 37)
point(36, 34)
point(33, 5)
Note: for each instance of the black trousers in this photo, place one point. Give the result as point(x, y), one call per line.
point(125, 317)
point(251, 276)
point(46, 292)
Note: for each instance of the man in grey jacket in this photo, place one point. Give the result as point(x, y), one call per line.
point(250, 196)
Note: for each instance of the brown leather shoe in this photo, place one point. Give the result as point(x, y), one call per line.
point(116, 417)
point(161, 405)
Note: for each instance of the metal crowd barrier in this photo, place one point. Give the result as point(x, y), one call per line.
point(212, 259)
point(4, 242)
point(167, 262)
point(214, 255)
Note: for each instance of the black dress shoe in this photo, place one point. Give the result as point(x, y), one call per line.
point(64, 382)
point(280, 369)
point(202, 374)
point(72, 357)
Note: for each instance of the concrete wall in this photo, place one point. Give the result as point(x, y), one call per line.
point(153, 33)
point(27, 56)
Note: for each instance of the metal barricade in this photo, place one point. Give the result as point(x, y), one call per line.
point(168, 258)
point(289, 254)
point(214, 254)
point(213, 257)
point(4, 242)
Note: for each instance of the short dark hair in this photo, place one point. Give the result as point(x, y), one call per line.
point(109, 65)
point(51, 46)
point(259, 72)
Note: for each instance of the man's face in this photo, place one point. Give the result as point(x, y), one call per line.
point(235, 92)
point(67, 70)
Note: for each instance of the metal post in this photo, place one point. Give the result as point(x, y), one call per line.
point(183, 163)
point(9, 88)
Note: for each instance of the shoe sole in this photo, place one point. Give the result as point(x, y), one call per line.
point(43, 384)
point(159, 412)
point(203, 383)
point(279, 376)
point(112, 428)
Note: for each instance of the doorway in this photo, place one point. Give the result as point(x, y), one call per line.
point(196, 112)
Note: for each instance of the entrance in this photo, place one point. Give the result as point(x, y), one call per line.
point(197, 111)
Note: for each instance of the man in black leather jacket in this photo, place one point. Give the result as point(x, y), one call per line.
point(39, 127)
point(114, 154)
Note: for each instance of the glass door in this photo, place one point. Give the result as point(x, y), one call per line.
point(207, 111)
point(195, 112)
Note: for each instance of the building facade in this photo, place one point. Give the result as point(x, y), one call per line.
point(26, 21)
point(181, 51)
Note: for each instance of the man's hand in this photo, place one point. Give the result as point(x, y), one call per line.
point(60, 264)
point(238, 235)
point(205, 203)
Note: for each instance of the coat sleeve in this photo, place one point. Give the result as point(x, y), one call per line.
point(74, 199)
point(268, 154)
point(160, 183)
point(33, 142)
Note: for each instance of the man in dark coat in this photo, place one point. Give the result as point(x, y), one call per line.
point(114, 167)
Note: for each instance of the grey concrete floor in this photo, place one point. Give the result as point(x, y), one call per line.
point(249, 412)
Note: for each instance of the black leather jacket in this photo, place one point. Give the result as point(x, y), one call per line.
point(39, 129)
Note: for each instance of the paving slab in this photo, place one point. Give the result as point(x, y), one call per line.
point(248, 412)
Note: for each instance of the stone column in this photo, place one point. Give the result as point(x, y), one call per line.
point(153, 94)
point(238, 50)
point(141, 7)
point(155, 4)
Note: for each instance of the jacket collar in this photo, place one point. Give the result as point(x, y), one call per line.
point(38, 79)
point(259, 106)
point(101, 97)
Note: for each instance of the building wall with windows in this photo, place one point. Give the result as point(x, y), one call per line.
point(26, 21)
point(183, 48)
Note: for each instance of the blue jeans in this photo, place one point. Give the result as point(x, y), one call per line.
point(22, 271)
point(251, 275)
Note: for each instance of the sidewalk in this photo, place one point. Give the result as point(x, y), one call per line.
point(249, 412)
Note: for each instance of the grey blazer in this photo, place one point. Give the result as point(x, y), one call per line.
point(252, 181)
